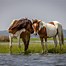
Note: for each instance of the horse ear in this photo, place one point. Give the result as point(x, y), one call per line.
point(39, 21)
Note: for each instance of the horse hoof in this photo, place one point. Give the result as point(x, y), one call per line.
point(20, 53)
point(10, 53)
point(42, 53)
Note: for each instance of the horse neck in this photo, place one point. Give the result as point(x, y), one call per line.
point(42, 24)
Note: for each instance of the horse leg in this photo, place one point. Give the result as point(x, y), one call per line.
point(24, 42)
point(19, 44)
point(10, 38)
point(42, 45)
point(46, 45)
point(55, 42)
point(27, 42)
point(26, 46)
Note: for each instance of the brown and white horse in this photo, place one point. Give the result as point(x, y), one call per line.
point(47, 30)
point(21, 28)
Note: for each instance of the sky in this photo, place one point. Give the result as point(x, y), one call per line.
point(46, 10)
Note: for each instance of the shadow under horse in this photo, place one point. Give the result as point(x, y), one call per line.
point(21, 28)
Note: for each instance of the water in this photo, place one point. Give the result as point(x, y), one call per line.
point(33, 60)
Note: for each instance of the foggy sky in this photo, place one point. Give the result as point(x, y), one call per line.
point(46, 10)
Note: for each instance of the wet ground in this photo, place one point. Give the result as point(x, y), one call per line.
point(33, 60)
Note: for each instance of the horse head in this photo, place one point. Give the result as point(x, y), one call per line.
point(29, 26)
point(36, 25)
point(20, 24)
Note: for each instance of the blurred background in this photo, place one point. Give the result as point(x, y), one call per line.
point(46, 10)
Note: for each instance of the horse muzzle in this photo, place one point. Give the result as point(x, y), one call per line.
point(35, 33)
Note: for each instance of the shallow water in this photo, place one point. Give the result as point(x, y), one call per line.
point(33, 60)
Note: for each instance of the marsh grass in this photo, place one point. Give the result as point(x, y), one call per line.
point(33, 48)
point(4, 48)
point(32, 39)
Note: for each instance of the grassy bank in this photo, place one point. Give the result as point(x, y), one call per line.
point(33, 48)
point(34, 39)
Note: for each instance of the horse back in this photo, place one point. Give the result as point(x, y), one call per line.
point(51, 30)
point(48, 31)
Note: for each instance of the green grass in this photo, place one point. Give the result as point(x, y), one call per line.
point(4, 48)
point(33, 48)
point(38, 39)
point(33, 39)
point(64, 38)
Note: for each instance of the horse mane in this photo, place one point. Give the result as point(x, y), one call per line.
point(35, 21)
point(21, 23)
point(12, 24)
point(24, 20)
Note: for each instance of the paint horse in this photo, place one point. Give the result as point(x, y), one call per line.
point(47, 30)
point(21, 28)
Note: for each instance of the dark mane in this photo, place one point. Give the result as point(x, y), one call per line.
point(24, 20)
point(22, 23)
point(35, 21)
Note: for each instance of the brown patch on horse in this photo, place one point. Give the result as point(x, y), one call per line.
point(25, 36)
point(52, 23)
point(25, 23)
point(12, 27)
point(43, 32)
point(20, 24)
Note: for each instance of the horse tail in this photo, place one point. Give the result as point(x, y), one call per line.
point(62, 38)
point(60, 33)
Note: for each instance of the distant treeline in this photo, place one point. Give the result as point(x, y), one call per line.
point(4, 38)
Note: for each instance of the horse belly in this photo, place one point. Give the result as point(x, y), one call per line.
point(51, 30)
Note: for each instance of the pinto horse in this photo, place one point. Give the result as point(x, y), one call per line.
point(21, 28)
point(47, 30)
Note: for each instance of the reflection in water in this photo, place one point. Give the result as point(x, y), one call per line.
point(33, 60)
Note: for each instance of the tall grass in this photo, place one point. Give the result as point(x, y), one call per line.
point(33, 48)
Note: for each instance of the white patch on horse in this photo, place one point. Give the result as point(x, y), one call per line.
point(42, 24)
point(56, 23)
point(51, 30)
point(18, 32)
point(12, 22)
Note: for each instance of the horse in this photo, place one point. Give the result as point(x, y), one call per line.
point(20, 28)
point(48, 30)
